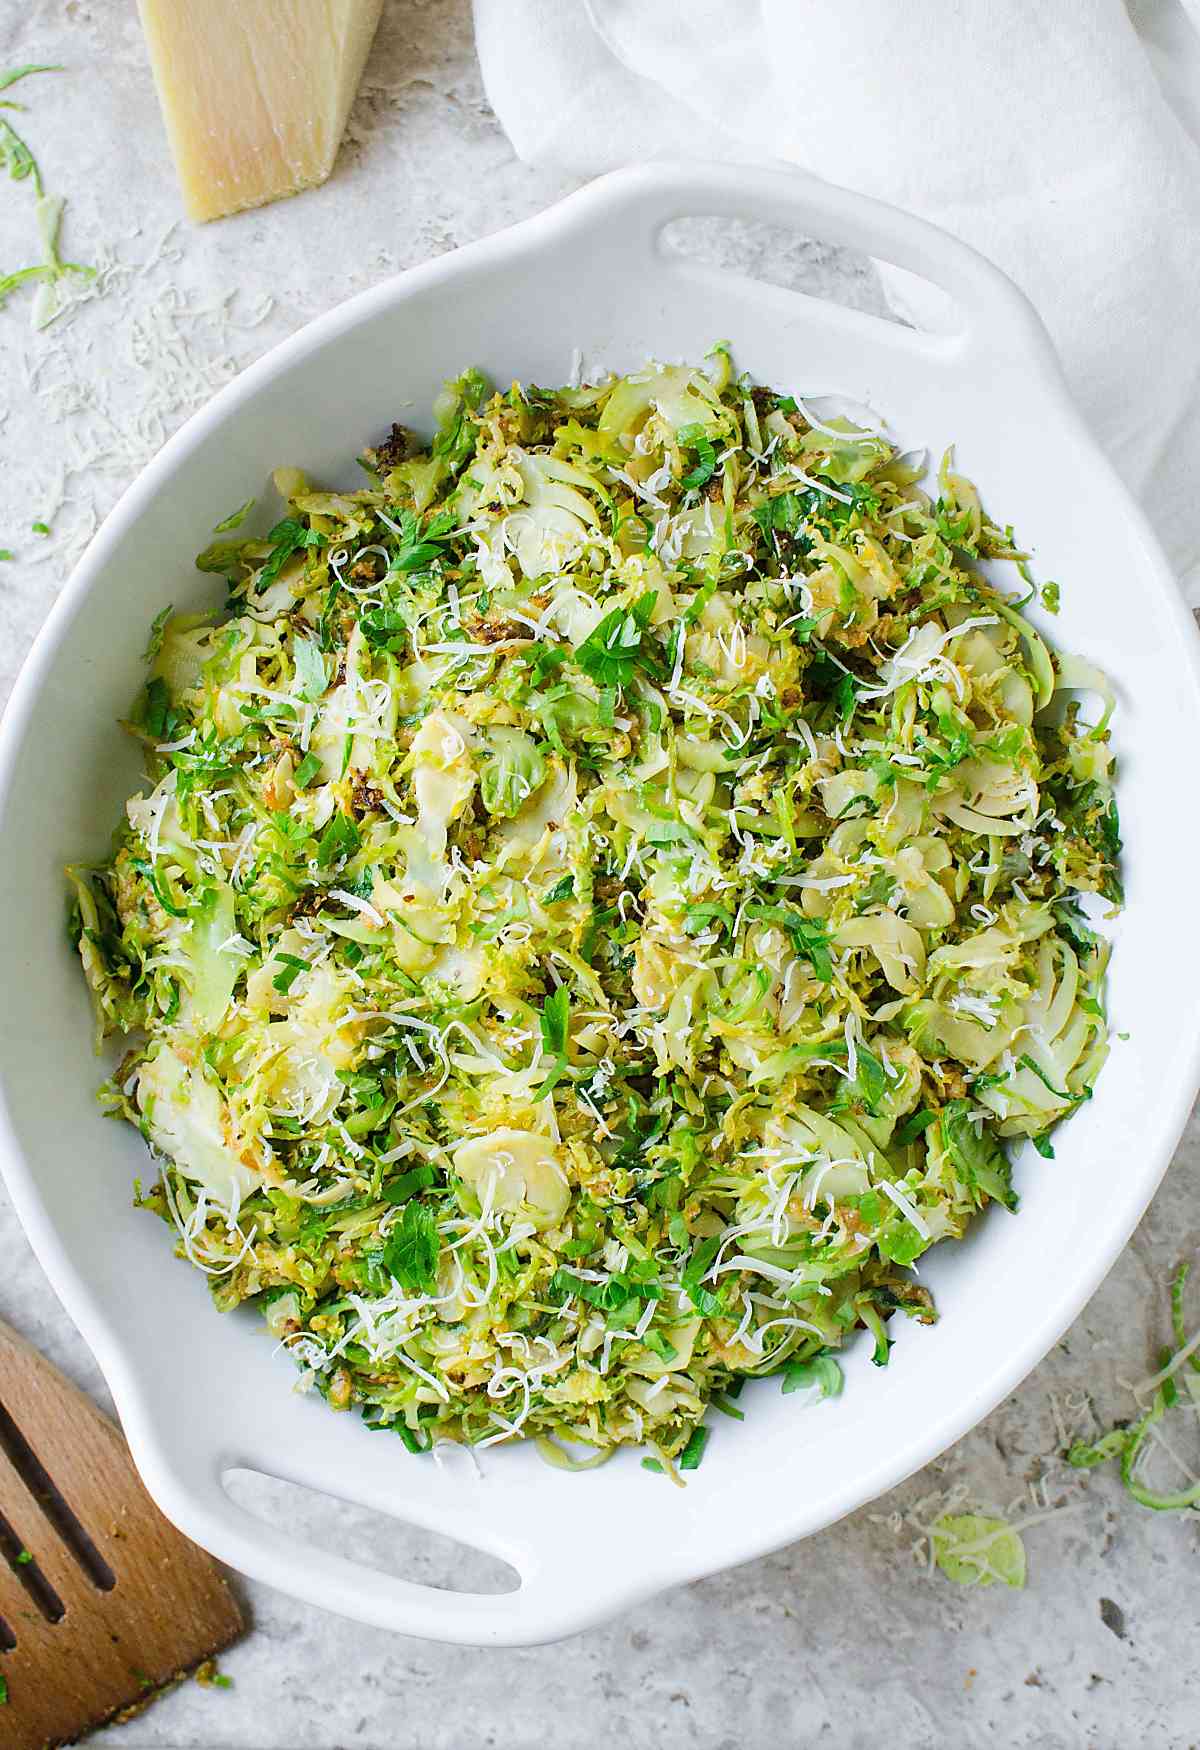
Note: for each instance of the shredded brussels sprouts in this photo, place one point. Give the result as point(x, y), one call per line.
point(1175, 1387)
point(603, 899)
point(974, 1550)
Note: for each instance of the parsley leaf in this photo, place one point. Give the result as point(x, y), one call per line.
point(614, 649)
point(400, 1189)
point(556, 1014)
point(306, 771)
point(866, 1088)
point(157, 708)
point(554, 1024)
point(339, 841)
point(287, 537)
point(544, 659)
point(385, 629)
point(696, 439)
point(702, 1298)
point(417, 557)
point(411, 1252)
point(810, 939)
point(292, 966)
point(782, 511)
point(911, 1129)
point(699, 918)
point(419, 547)
point(613, 1295)
point(659, 1345)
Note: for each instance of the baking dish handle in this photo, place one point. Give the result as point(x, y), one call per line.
point(565, 1583)
point(637, 204)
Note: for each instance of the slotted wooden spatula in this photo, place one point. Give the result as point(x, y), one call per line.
point(102, 1601)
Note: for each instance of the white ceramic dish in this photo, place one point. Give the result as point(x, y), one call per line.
point(200, 1394)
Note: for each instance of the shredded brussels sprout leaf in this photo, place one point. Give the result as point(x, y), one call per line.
point(604, 901)
point(1176, 1385)
point(973, 1550)
point(19, 163)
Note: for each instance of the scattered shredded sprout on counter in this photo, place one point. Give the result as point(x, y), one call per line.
point(974, 1550)
point(50, 272)
point(1170, 1395)
point(976, 1544)
point(604, 900)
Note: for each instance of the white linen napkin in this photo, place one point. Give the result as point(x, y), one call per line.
point(1060, 139)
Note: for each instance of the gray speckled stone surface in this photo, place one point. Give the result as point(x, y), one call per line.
point(844, 1640)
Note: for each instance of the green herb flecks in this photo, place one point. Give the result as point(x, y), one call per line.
point(613, 652)
point(411, 1251)
point(554, 1027)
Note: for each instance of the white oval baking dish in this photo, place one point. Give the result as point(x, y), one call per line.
point(201, 1394)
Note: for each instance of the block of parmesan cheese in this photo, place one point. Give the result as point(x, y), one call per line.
point(255, 93)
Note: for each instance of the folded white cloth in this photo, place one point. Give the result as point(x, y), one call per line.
point(1059, 138)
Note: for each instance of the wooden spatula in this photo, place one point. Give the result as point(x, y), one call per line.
point(102, 1601)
